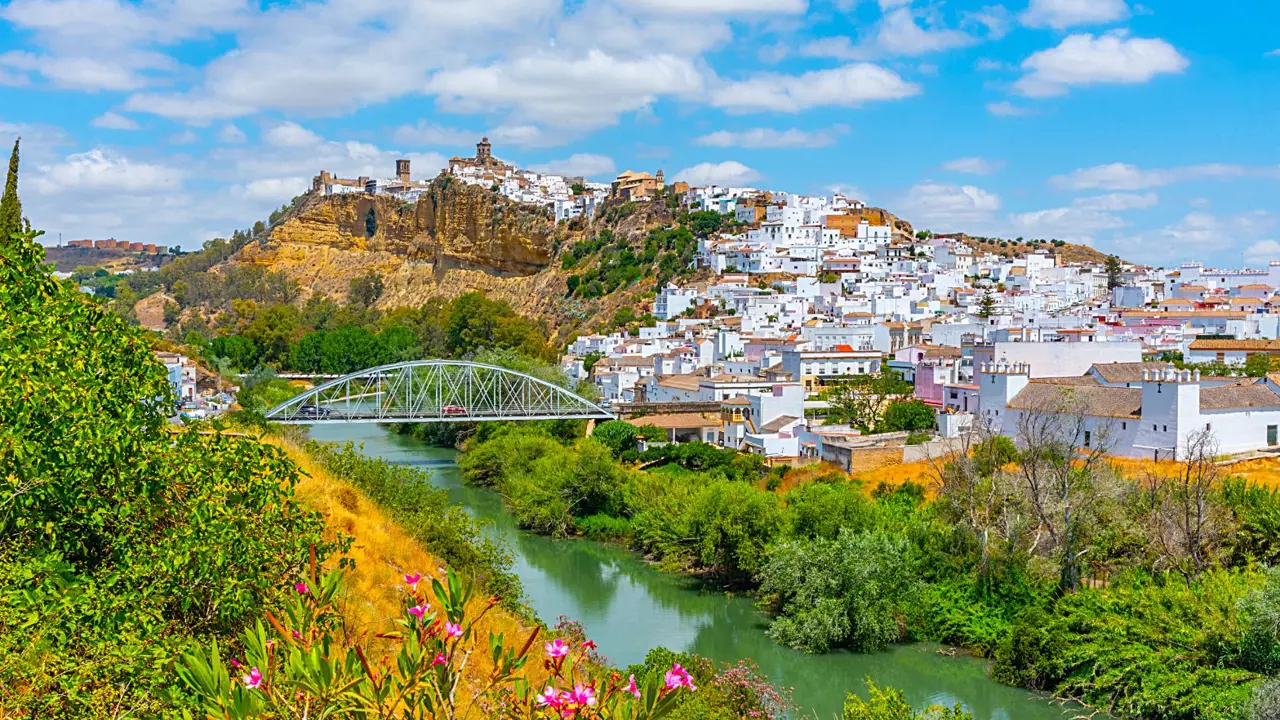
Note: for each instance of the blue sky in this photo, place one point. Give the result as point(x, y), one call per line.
point(1143, 129)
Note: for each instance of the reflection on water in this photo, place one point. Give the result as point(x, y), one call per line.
point(629, 608)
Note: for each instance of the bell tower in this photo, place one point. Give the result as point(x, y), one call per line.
point(402, 171)
point(484, 151)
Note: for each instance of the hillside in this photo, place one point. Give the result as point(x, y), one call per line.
point(455, 238)
point(1066, 253)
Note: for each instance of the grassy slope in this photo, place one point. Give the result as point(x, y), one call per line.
point(383, 552)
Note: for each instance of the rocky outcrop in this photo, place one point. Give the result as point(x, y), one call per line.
point(455, 238)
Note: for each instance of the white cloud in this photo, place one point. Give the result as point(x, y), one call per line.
point(1199, 202)
point(1123, 176)
point(770, 138)
point(946, 207)
point(579, 165)
point(186, 137)
point(1262, 252)
point(1117, 202)
point(231, 134)
point(115, 121)
point(1272, 53)
point(846, 86)
point(1061, 14)
point(1065, 223)
point(527, 136)
point(989, 65)
point(730, 172)
point(1087, 60)
point(103, 169)
point(974, 165)
point(713, 7)
point(1200, 233)
point(897, 33)
point(890, 4)
point(425, 133)
point(587, 91)
point(290, 134)
point(1004, 108)
point(272, 190)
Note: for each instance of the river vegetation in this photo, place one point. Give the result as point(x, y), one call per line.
point(1146, 597)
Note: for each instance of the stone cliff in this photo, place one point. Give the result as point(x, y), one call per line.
point(455, 238)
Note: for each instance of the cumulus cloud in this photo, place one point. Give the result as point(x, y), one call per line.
point(946, 207)
point(114, 121)
point(974, 165)
point(771, 138)
point(103, 169)
point(231, 134)
point(1061, 14)
point(728, 7)
point(1262, 252)
point(1083, 59)
point(1124, 176)
point(290, 134)
point(846, 86)
point(1068, 223)
point(897, 33)
point(578, 165)
point(426, 133)
point(730, 173)
point(586, 91)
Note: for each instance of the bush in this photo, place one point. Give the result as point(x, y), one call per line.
point(603, 527)
point(616, 435)
point(845, 592)
point(1260, 615)
point(891, 704)
point(909, 415)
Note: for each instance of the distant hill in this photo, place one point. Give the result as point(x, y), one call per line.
point(1065, 252)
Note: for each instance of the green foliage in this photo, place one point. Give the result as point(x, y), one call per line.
point(890, 704)
point(861, 400)
point(1257, 365)
point(1259, 611)
point(11, 222)
point(616, 435)
point(366, 289)
point(908, 415)
point(733, 524)
point(1141, 647)
point(822, 510)
point(424, 511)
point(123, 538)
point(239, 351)
point(845, 592)
point(986, 306)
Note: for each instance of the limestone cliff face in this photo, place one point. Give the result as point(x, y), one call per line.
point(455, 238)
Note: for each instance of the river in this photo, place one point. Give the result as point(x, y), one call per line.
point(628, 608)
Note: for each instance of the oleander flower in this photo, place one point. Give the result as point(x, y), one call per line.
point(439, 659)
point(631, 686)
point(252, 680)
point(452, 630)
point(582, 696)
point(412, 579)
point(678, 677)
point(556, 648)
point(549, 698)
point(301, 588)
point(418, 611)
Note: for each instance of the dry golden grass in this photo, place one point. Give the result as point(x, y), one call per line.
point(373, 596)
point(921, 473)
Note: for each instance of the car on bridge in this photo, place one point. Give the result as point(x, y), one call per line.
point(314, 411)
point(453, 410)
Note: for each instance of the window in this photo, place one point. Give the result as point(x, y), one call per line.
point(1087, 438)
point(1208, 427)
point(1166, 428)
point(1124, 425)
point(1155, 428)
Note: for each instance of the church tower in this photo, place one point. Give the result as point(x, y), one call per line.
point(484, 151)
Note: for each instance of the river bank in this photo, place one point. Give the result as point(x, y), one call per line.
point(628, 607)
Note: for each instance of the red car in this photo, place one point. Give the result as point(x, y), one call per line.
point(453, 410)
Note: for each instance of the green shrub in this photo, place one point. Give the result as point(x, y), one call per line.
point(604, 527)
point(891, 704)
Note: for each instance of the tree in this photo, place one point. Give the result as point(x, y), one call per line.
point(273, 330)
point(366, 289)
point(616, 435)
point(886, 703)
point(908, 415)
point(987, 305)
point(1257, 365)
point(1184, 524)
point(1114, 271)
point(578, 189)
point(10, 206)
point(860, 400)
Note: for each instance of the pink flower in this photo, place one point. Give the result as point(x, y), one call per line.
point(439, 659)
point(418, 611)
point(549, 698)
point(556, 648)
point(588, 644)
point(269, 645)
point(235, 664)
point(297, 635)
point(582, 696)
point(412, 580)
point(678, 677)
point(252, 680)
point(631, 686)
point(452, 630)
point(301, 588)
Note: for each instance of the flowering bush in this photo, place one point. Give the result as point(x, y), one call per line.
point(304, 664)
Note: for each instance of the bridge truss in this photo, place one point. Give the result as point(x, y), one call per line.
point(435, 391)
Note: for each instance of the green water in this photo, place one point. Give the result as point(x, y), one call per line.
point(628, 608)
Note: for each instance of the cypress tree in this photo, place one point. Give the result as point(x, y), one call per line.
point(10, 206)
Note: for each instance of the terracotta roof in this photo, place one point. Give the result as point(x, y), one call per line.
point(776, 424)
point(676, 421)
point(681, 382)
point(1233, 397)
point(1094, 400)
point(1118, 372)
point(1259, 345)
point(738, 401)
point(1254, 286)
point(1176, 301)
point(1183, 313)
point(1068, 380)
point(728, 378)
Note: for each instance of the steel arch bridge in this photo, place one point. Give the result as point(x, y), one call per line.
point(435, 391)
